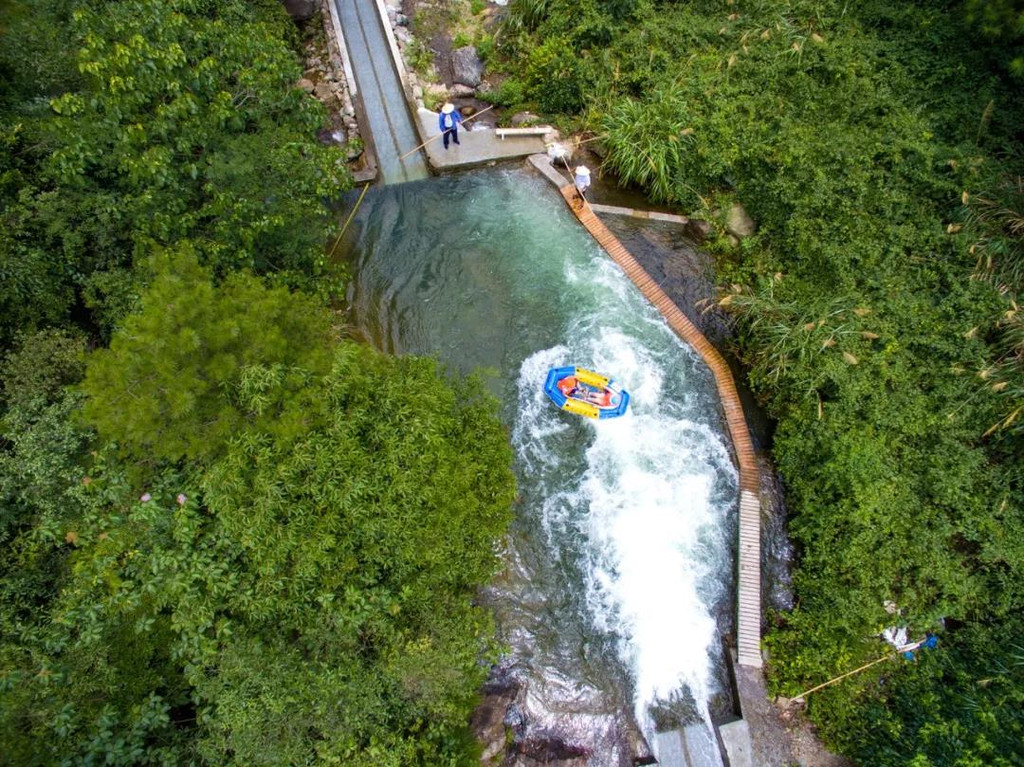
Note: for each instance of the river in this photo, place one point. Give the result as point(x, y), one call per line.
point(619, 569)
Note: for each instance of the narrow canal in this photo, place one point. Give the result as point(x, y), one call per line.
point(619, 570)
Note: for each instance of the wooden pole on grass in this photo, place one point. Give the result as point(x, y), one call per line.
point(841, 677)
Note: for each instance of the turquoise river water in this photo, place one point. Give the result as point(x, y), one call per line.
point(619, 568)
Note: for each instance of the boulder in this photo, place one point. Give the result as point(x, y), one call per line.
point(331, 137)
point(697, 230)
point(739, 223)
point(520, 119)
point(460, 91)
point(323, 92)
point(467, 68)
point(437, 92)
point(306, 85)
point(301, 10)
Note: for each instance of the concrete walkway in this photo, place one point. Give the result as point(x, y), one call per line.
point(476, 147)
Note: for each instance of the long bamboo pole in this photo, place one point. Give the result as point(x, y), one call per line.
point(417, 148)
point(890, 656)
point(349, 219)
point(802, 695)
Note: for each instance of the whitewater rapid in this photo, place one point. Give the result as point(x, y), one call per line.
point(647, 512)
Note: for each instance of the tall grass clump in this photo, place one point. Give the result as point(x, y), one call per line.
point(648, 142)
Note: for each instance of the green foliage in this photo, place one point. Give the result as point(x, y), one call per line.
point(421, 58)
point(508, 94)
point(996, 223)
point(554, 79)
point(34, 58)
point(1001, 20)
point(648, 142)
point(485, 46)
point(300, 590)
point(906, 714)
point(168, 386)
point(181, 122)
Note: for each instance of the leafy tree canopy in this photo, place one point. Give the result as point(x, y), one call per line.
point(180, 121)
point(298, 587)
point(169, 385)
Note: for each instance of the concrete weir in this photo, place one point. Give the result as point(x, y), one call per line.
point(380, 94)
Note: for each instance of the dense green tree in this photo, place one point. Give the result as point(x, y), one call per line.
point(181, 122)
point(294, 584)
point(167, 387)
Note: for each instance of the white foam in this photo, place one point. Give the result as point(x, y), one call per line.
point(654, 551)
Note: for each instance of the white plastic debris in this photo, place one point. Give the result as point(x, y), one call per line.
point(896, 636)
point(558, 151)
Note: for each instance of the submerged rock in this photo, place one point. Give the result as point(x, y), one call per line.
point(534, 717)
point(460, 91)
point(520, 119)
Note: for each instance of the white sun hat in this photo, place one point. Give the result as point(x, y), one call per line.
point(447, 109)
point(583, 170)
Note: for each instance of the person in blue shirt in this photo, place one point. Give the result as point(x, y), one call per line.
point(449, 120)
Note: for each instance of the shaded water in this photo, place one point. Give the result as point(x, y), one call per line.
point(620, 563)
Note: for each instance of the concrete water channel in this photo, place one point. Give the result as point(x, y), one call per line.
point(392, 126)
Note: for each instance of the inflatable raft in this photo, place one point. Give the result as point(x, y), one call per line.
point(585, 393)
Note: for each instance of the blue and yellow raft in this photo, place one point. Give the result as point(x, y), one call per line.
point(585, 392)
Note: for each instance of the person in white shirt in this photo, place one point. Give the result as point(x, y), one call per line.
point(582, 181)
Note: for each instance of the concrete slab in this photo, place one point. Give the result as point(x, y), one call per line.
point(653, 215)
point(669, 749)
point(476, 147)
point(543, 163)
point(736, 739)
point(701, 746)
point(770, 743)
